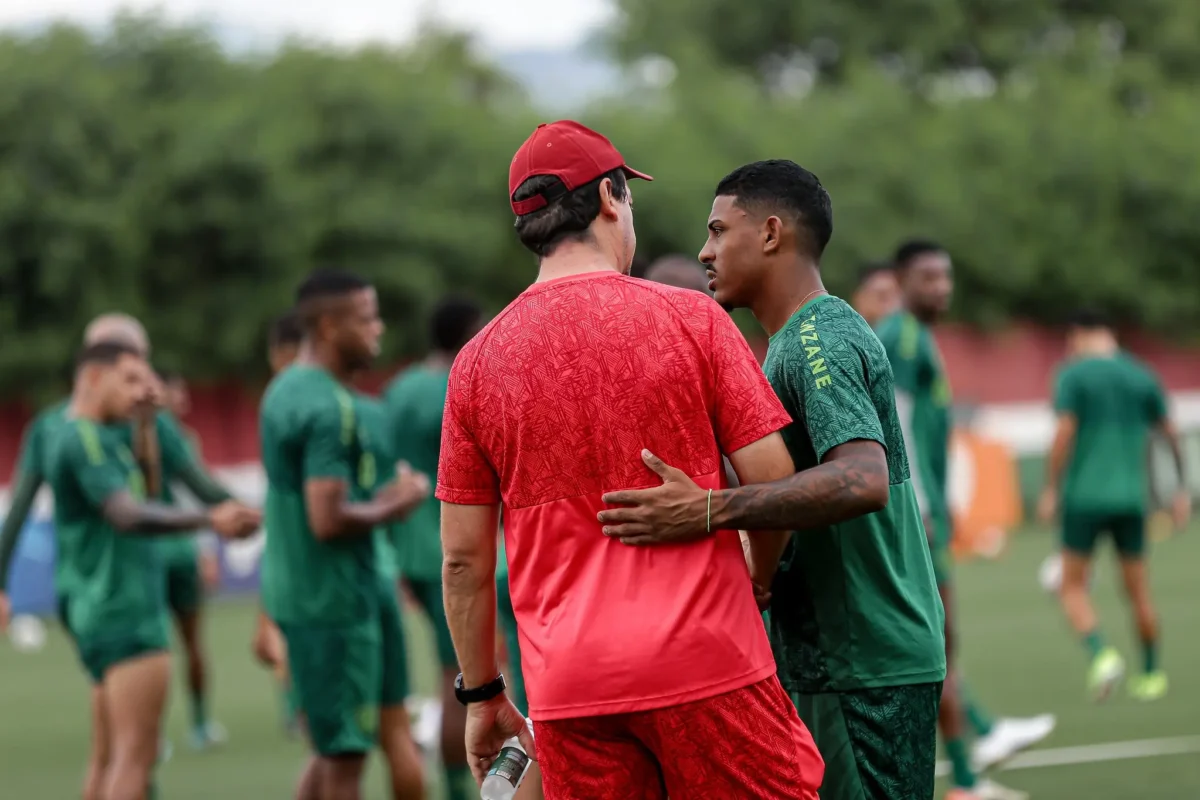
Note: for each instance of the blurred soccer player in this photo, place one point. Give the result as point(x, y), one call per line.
point(855, 617)
point(1108, 404)
point(648, 674)
point(283, 343)
point(877, 294)
point(192, 570)
point(923, 403)
point(414, 401)
point(679, 271)
point(115, 610)
point(321, 574)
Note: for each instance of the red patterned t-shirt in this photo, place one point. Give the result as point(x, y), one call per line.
point(548, 408)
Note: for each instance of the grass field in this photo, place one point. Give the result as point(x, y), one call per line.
point(1018, 657)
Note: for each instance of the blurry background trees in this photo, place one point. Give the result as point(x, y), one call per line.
point(1051, 144)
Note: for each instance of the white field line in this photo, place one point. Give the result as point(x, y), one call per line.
point(1095, 753)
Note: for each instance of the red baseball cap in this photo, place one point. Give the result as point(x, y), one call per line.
point(571, 152)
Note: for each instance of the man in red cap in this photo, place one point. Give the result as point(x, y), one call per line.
point(648, 670)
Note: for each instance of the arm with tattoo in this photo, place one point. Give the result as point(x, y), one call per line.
point(851, 482)
point(127, 515)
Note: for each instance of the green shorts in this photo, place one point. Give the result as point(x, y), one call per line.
point(185, 589)
point(508, 624)
point(101, 650)
point(1081, 530)
point(343, 674)
point(429, 597)
point(878, 744)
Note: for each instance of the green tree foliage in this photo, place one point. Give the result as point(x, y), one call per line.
point(915, 36)
point(147, 171)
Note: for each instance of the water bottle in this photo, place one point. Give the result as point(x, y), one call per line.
point(507, 771)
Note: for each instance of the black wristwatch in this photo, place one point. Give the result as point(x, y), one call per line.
point(491, 689)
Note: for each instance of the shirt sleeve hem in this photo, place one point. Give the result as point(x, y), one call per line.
point(858, 436)
point(466, 497)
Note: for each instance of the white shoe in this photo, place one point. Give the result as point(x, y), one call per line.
point(426, 715)
point(990, 790)
point(1009, 737)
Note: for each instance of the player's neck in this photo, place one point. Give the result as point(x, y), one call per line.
point(1105, 347)
point(315, 354)
point(786, 291)
point(575, 258)
point(83, 407)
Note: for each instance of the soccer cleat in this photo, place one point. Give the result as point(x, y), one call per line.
point(1009, 737)
point(990, 790)
point(207, 736)
point(426, 720)
point(1105, 673)
point(1151, 686)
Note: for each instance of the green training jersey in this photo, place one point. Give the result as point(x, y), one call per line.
point(33, 469)
point(923, 405)
point(380, 470)
point(414, 401)
point(311, 428)
point(1116, 402)
point(176, 455)
point(117, 578)
point(854, 605)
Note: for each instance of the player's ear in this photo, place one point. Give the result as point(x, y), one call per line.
point(771, 232)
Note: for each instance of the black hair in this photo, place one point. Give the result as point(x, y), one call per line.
point(453, 322)
point(784, 187)
point(285, 330)
point(1089, 319)
point(871, 269)
point(105, 353)
point(321, 286)
point(567, 216)
point(911, 249)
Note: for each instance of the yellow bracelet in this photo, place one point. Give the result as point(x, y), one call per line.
point(708, 514)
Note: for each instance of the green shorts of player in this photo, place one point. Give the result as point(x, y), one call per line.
point(878, 744)
point(185, 589)
point(428, 594)
point(342, 675)
point(1081, 530)
point(100, 648)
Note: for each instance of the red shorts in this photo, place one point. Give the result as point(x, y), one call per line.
point(748, 743)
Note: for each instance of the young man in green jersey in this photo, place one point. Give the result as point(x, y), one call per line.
point(321, 571)
point(925, 276)
point(1108, 405)
point(115, 607)
point(283, 344)
point(855, 618)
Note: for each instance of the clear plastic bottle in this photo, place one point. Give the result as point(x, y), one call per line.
point(507, 771)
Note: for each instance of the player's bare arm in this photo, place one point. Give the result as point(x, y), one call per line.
point(333, 516)
point(1181, 508)
point(1056, 465)
point(469, 545)
point(127, 515)
point(852, 481)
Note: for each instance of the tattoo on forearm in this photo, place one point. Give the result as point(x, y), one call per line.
point(152, 518)
point(833, 492)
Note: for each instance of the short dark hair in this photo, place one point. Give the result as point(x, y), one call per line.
point(781, 186)
point(871, 269)
point(285, 330)
point(567, 215)
point(1089, 319)
point(105, 353)
point(322, 285)
point(912, 248)
point(452, 322)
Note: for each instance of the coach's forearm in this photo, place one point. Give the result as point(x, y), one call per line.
point(836, 491)
point(469, 586)
point(24, 492)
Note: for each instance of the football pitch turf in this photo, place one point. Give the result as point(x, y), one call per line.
point(1018, 655)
